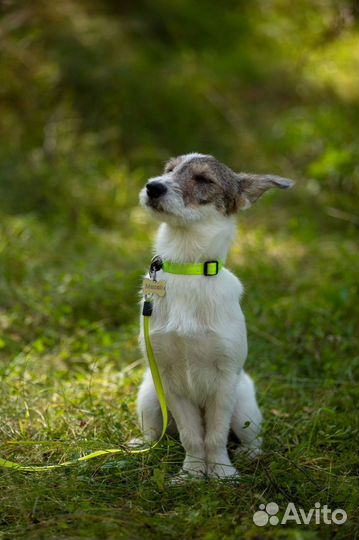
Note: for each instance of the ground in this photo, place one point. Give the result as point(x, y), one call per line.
point(71, 378)
point(95, 96)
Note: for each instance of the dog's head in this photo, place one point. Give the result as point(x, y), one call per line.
point(194, 187)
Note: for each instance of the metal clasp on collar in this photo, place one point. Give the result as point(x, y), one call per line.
point(155, 266)
point(210, 268)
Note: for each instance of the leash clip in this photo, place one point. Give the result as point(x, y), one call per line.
point(155, 266)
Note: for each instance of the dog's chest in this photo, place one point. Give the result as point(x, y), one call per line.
point(192, 365)
point(198, 332)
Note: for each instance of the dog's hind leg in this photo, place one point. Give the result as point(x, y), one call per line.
point(149, 411)
point(247, 417)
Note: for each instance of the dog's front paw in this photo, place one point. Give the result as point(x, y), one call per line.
point(194, 466)
point(192, 469)
point(186, 476)
point(220, 466)
point(222, 471)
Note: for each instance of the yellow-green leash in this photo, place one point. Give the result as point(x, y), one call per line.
point(147, 312)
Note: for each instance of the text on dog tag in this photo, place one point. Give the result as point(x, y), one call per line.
point(154, 287)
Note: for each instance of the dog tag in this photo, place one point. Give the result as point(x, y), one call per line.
point(154, 287)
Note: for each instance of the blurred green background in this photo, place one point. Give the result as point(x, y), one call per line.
point(94, 97)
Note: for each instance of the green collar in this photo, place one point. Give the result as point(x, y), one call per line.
point(208, 268)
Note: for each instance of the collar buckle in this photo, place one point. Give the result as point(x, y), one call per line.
point(210, 268)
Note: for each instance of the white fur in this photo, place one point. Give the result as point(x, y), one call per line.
point(198, 335)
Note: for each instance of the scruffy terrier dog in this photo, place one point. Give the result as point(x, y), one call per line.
point(198, 330)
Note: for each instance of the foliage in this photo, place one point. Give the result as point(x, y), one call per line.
point(94, 97)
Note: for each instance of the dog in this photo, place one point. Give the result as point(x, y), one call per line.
point(198, 330)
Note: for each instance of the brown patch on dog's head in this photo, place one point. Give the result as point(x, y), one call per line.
point(202, 179)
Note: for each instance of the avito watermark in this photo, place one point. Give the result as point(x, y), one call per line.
point(267, 515)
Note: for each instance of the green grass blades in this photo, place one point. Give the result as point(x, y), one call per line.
point(71, 369)
point(94, 97)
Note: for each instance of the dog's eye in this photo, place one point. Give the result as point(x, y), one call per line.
point(202, 179)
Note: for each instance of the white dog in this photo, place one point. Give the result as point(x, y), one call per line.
point(198, 331)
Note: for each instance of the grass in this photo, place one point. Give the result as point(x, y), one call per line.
point(71, 369)
point(94, 96)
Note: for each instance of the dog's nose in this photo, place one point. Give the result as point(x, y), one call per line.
point(155, 189)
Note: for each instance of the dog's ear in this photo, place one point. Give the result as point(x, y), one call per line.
point(252, 186)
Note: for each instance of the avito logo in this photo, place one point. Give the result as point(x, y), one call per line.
point(267, 514)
